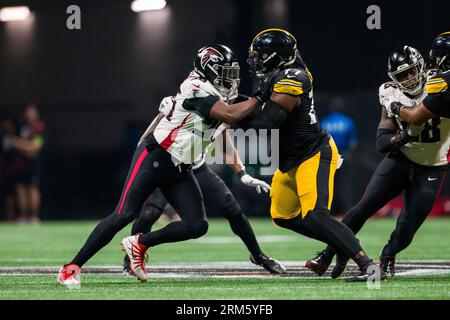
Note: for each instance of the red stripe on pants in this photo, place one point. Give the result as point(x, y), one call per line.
point(133, 175)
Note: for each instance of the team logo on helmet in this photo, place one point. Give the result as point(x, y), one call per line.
point(210, 54)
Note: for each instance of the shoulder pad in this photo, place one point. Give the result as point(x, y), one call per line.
point(386, 93)
point(438, 83)
point(293, 81)
point(195, 87)
point(166, 105)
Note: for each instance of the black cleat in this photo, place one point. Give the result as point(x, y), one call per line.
point(339, 268)
point(319, 264)
point(367, 273)
point(271, 265)
point(126, 271)
point(387, 264)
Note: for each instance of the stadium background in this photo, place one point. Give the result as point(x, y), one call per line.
point(99, 87)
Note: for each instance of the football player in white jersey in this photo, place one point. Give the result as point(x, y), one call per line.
point(415, 163)
point(218, 197)
point(165, 161)
point(437, 103)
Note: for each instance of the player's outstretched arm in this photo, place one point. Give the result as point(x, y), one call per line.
point(273, 113)
point(234, 112)
point(415, 115)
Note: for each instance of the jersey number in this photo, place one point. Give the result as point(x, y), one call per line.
point(430, 132)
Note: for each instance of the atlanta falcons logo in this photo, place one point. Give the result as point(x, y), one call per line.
point(210, 54)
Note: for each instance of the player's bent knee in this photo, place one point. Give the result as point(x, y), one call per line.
point(151, 212)
point(233, 213)
point(199, 229)
point(126, 217)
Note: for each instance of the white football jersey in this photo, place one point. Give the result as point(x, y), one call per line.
point(431, 140)
point(186, 134)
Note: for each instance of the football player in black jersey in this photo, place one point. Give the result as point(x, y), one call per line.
point(437, 103)
point(302, 187)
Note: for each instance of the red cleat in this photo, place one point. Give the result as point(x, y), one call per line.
point(137, 254)
point(69, 275)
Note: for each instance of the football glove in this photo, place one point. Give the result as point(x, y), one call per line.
point(253, 182)
point(265, 87)
point(393, 109)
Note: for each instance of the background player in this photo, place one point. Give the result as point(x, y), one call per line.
point(302, 187)
point(416, 162)
point(165, 160)
point(438, 100)
point(217, 196)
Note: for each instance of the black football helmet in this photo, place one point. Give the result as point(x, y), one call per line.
point(271, 49)
point(440, 52)
point(218, 65)
point(406, 67)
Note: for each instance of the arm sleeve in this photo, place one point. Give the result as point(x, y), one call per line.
point(438, 104)
point(388, 141)
point(202, 105)
point(271, 117)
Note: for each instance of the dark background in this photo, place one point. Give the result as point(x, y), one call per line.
point(95, 84)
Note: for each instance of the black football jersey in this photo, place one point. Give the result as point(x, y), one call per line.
point(438, 98)
point(301, 136)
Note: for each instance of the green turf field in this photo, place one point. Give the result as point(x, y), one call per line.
point(54, 243)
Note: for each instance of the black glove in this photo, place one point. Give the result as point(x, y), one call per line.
point(265, 87)
point(400, 139)
point(395, 108)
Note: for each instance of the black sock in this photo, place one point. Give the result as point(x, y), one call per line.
point(242, 228)
point(362, 261)
point(329, 252)
point(339, 235)
point(174, 232)
point(102, 234)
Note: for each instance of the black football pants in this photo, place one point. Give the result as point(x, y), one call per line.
point(151, 169)
point(218, 199)
point(394, 174)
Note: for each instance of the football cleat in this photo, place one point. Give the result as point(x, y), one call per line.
point(271, 265)
point(319, 264)
point(69, 275)
point(126, 271)
point(387, 264)
point(137, 254)
point(341, 264)
point(366, 273)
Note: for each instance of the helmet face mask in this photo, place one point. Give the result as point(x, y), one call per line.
point(227, 78)
point(406, 67)
point(411, 78)
point(260, 63)
point(218, 65)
